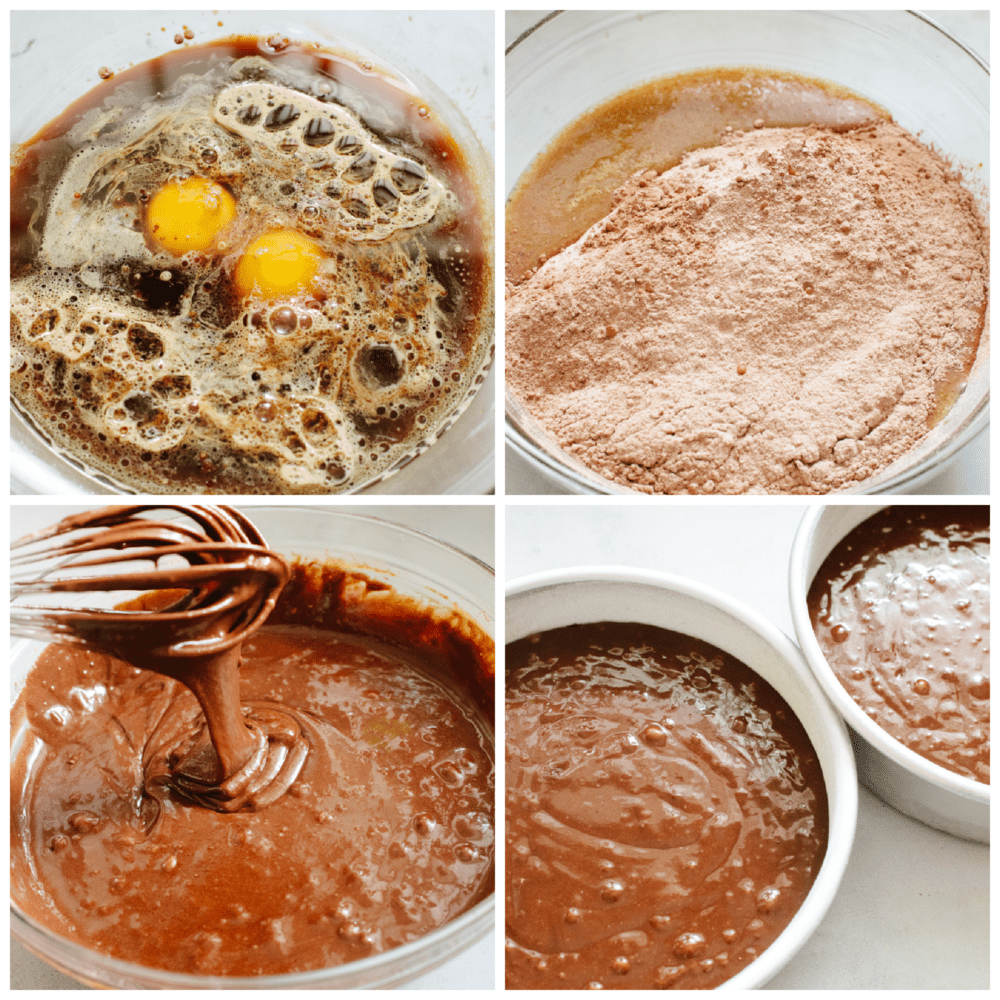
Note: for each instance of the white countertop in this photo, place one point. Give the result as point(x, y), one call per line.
point(470, 528)
point(913, 908)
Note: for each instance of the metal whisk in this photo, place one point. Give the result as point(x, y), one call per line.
point(221, 580)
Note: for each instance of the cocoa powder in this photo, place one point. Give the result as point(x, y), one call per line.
point(788, 312)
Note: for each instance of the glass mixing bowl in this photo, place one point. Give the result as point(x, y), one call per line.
point(445, 56)
point(902, 61)
point(415, 564)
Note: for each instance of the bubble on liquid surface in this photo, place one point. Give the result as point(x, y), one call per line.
point(283, 321)
point(689, 945)
point(840, 633)
point(768, 899)
point(655, 735)
point(466, 853)
point(612, 891)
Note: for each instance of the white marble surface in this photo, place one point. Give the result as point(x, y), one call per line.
point(913, 908)
point(470, 528)
point(969, 473)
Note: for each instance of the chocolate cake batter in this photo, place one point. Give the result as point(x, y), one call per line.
point(666, 813)
point(366, 822)
point(901, 610)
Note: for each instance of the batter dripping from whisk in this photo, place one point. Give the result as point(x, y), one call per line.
point(192, 635)
point(350, 799)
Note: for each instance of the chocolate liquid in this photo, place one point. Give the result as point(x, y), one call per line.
point(901, 610)
point(666, 813)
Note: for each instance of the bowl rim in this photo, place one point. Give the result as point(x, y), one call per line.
point(327, 510)
point(559, 466)
point(915, 13)
point(30, 934)
point(872, 733)
point(842, 776)
point(433, 945)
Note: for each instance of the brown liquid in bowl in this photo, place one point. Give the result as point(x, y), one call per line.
point(569, 186)
point(153, 370)
point(386, 834)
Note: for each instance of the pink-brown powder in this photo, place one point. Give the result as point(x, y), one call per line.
point(783, 313)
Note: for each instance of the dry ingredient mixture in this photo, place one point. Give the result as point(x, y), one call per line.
point(666, 812)
point(901, 610)
point(788, 312)
point(252, 266)
point(366, 823)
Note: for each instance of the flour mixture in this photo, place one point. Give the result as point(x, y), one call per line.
point(787, 312)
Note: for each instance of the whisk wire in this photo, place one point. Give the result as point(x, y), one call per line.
point(222, 563)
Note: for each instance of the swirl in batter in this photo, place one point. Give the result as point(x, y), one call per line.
point(666, 814)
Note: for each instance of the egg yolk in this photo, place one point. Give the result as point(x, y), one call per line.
point(189, 214)
point(277, 265)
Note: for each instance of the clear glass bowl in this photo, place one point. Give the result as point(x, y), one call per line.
point(445, 56)
point(415, 564)
point(902, 61)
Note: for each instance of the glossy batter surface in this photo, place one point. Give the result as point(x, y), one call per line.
point(901, 610)
point(385, 834)
point(666, 813)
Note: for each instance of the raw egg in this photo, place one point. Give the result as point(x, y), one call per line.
point(189, 214)
point(277, 265)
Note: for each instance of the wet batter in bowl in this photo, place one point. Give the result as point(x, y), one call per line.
point(901, 610)
point(369, 824)
point(246, 267)
point(666, 813)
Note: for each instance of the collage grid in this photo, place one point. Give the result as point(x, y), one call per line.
point(912, 907)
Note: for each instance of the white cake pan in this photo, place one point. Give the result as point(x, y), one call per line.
point(895, 773)
point(610, 593)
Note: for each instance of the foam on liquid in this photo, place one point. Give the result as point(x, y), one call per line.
point(151, 369)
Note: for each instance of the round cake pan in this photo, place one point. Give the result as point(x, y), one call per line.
point(605, 593)
point(895, 773)
point(446, 56)
point(932, 85)
point(414, 564)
